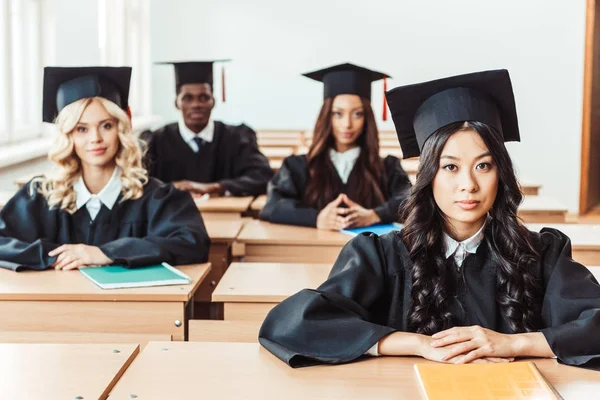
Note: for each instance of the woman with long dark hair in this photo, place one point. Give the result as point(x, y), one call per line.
point(464, 281)
point(342, 182)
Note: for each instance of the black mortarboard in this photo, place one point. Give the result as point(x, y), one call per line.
point(65, 85)
point(421, 109)
point(346, 79)
point(194, 72)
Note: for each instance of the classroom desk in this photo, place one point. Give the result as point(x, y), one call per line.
point(292, 142)
point(277, 153)
point(222, 234)
point(259, 203)
point(246, 370)
point(225, 207)
point(66, 301)
point(542, 209)
point(250, 290)
point(585, 240)
point(62, 371)
point(266, 242)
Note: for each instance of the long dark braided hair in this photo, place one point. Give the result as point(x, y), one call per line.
point(510, 244)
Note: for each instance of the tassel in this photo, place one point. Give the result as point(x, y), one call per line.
point(223, 83)
point(385, 107)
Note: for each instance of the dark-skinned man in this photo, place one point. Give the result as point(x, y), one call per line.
point(199, 154)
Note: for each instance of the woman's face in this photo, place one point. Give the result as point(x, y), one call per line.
point(347, 120)
point(466, 183)
point(96, 137)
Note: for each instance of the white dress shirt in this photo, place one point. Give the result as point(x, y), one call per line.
point(460, 251)
point(344, 162)
point(207, 134)
point(107, 196)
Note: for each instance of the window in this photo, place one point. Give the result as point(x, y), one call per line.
point(124, 41)
point(20, 70)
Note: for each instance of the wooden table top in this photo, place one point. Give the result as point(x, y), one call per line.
point(62, 371)
point(223, 230)
point(268, 282)
point(178, 370)
point(74, 286)
point(224, 204)
point(259, 203)
point(260, 232)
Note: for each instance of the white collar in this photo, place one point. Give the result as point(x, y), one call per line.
point(207, 134)
point(470, 245)
point(108, 195)
point(344, 162)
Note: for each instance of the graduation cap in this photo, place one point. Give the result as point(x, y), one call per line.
point(196, 72)
point(421, 109)
point(65, 85)
point(349, 79)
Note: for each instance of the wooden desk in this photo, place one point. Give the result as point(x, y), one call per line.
point(222, 234)
point(250, 290)
point(542, 209)
point(279, 142)
point(5, 196)
point(277, 153)
point(66, 301)
point(226, 207)
point(234, 370)
point(530, 188)
point(390, 151)
point(81, 337)
point(259, 203)
point(585, 240)
point(266, 242)
point(62, 371)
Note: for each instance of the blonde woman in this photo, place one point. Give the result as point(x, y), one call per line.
point(100, 207)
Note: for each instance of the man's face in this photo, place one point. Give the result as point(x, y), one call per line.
point(196, 101)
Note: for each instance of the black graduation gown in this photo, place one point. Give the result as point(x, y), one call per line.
point(285, 203)
point(163, 225)
point(367, 296)
point(231, 159)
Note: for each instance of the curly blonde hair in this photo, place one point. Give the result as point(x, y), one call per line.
point(57, 188)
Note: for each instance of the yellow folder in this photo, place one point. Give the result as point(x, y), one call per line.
point(516, 380)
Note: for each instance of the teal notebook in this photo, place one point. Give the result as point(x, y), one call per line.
point(117, 277)
point(379, 229)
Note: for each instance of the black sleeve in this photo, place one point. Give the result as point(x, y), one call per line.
point(251, 168)
point(176, 233)
point(398, 187)
point(27, 231)
point(285, 203)
point(571, 306)
point(331, 324)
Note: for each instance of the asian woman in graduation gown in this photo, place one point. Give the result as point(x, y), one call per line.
point(100, 207)
point(464, 281)
point(342, 182)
